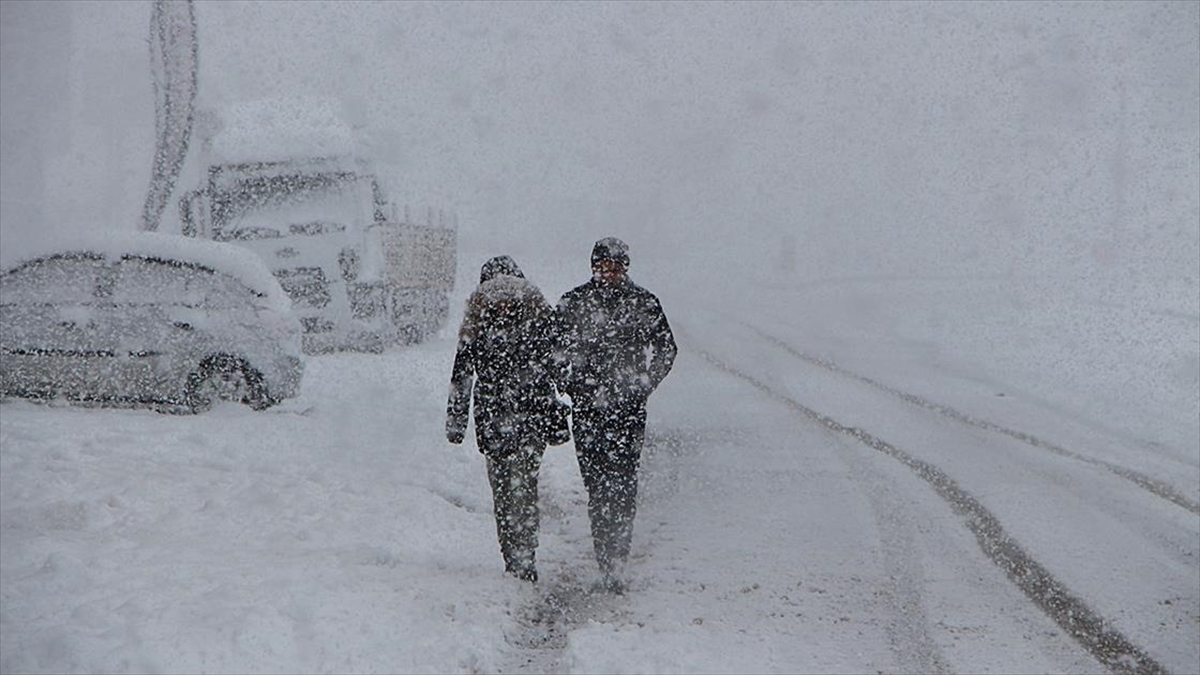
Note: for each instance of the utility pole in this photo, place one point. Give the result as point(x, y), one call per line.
point(175, 66)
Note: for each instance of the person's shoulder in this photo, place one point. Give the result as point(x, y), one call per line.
point(633, 287)
point(640, 292)
point(578, 291)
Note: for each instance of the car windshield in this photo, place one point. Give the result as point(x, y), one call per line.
point(64, 279)
point(142, 280)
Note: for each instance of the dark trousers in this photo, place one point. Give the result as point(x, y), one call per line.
point(608, 445)
point(514, 479)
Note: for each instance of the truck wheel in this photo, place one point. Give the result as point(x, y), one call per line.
point(222, 377)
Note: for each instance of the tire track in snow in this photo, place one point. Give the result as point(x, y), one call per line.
point(908, 626)
point(1064, 607)
point(1155, 487)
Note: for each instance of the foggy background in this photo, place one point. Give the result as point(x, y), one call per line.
point(1055, 144)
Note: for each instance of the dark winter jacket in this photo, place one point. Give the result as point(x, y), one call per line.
point(613, 344)
point(504, 359)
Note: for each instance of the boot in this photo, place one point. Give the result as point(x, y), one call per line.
point(612, 577)
point(523, 572)
point(613, 584)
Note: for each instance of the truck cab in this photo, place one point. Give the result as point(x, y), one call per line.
point(360, 278)
point(287, 178)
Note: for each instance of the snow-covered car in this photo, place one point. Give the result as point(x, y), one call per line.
point(147, 319)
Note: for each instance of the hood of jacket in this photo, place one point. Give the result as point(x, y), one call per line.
point(503, 300)
point(497, 266)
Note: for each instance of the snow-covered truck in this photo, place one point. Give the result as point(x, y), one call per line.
point(283, 180)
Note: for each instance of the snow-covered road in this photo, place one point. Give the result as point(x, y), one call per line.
point(795, 517)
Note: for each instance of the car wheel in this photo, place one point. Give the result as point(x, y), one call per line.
point(225, 378)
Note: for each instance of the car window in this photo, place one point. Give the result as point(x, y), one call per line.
point(153, 281)
point(224, 292)
point(62, 279)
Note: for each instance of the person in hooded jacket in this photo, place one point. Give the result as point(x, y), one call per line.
point(613, 347)
point(503, 359)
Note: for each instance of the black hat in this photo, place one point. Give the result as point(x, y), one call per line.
point(501, 264)
point(611, 248)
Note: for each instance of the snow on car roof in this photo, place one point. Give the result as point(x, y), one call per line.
point(235, 261)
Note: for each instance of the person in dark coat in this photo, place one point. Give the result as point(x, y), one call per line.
point(504, 359)
point(613, 347)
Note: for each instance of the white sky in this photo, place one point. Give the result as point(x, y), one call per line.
point(911, 138)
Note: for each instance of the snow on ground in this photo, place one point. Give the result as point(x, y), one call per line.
point(339, 532)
